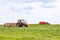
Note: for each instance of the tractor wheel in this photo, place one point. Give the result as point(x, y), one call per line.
point(26, 25)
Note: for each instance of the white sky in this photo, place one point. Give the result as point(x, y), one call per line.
point(32, 11)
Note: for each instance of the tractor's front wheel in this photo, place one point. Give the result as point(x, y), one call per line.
point(26, 25)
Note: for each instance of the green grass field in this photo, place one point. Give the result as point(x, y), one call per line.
point(32, 32)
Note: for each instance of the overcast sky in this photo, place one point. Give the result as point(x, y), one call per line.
point(31, 10)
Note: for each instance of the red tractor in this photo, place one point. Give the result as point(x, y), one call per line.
point(42, 22)
point(21, 23)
